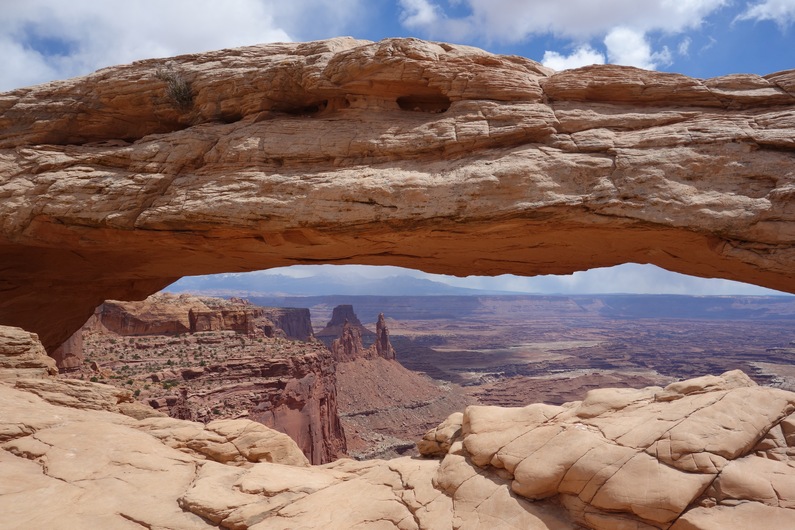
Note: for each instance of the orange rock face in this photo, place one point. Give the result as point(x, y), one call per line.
point(403, 152)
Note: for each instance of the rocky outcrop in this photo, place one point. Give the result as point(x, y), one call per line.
point(383, 348)
point(167, 314)
point(347, 344)
point(348, 347)
point(294, 322)
point(160, 314)
point(695, 454)
point(427, 155)
point(341, 316)
point(22, 356)
point(239, 321)
point(383, 406)
point(295, 393)
point(222, 366)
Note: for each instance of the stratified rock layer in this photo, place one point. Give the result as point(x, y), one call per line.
point(218, 353)
point(427, 155)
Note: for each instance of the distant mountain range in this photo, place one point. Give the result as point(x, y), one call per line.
point(253, 284)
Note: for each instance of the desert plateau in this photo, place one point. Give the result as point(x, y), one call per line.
point(123, 406)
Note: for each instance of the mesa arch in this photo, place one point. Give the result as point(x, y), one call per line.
point(404, 152)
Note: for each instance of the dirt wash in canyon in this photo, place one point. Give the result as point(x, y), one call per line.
point(427, 155)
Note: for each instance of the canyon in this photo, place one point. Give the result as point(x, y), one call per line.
point(427, 155)
point(202, 359)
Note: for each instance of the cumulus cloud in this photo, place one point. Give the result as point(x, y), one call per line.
point(782, 12)
point(630, 48)
point(418, 13)
point(515, 20)
point(621, 23)
point(584, 55)
point(49, 39)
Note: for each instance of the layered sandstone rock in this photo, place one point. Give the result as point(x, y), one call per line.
point(341, 316)
point(294, 322)
point(709, 452)
point(204, 359)
point(167, 314)
point(23, 356)
point(402, 152)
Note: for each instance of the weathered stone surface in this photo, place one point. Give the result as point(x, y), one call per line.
point(641, 458)
point(340, 316)
point(23, 356)
point(437, 441)
point(683, 457)
point(403, 152)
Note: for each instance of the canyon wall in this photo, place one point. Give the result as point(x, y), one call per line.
point(204, 359)
point(427, 155)
point(294, 322)
point(384, 407)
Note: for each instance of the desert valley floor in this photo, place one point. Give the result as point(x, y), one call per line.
point(515, 350)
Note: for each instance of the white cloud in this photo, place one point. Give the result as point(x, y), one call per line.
point(515, 20)
point(782, 12)
point(630, 48)
point(582, 56)
point(418, 13)
point(48, 39)
point(619, 22)
point(684, 47)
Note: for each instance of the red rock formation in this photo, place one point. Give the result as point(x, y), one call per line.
point(383, 406)
point(224, 364)
point(239, 321)
point(69, 355)
point(341, 316)
point(294, 392)
point(383, 348)
point(348, 347)
point(295, 322)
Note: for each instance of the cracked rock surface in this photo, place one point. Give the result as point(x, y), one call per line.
point(681, 457)
point(404, 152)
point(706, 453)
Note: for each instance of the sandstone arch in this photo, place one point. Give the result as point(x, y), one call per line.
point(438, 157)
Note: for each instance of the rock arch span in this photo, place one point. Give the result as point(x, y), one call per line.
point(404, 152)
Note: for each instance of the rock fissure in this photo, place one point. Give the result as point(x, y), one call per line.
point(133, 520)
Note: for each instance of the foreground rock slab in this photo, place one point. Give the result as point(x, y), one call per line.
point(695, 454)
point(427, 155)
point(706, 453)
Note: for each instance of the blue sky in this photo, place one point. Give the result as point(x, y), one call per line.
point(42, 40)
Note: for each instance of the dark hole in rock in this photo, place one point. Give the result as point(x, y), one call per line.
point(427, 103)
point(231, 118)
point(312, 108)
